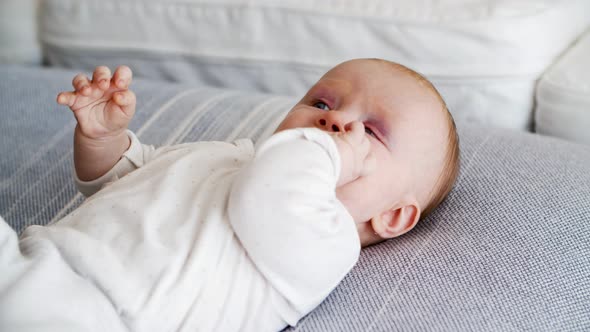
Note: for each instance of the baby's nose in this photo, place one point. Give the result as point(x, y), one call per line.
point(330, 124)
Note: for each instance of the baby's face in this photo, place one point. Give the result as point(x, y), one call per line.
point(405, 125)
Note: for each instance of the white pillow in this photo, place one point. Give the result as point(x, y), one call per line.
point(18, 32)
point(563, 96)
point(484, 55)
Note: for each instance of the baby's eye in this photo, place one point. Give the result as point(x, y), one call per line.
point(370, 132)
point(321, 105)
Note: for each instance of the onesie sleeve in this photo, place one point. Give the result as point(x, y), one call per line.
point(283, 209)
point(136, 156)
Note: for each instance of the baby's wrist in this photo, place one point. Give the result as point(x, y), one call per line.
point(112, 139)
point(101, 138)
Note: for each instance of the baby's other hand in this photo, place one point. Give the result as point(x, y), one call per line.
point(104, 106)
point(355, 153)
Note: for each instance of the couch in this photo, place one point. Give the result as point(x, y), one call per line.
point(509, 248)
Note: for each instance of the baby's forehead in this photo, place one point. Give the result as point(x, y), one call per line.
point(344, 86)
point(391, 84)
point(378, 70)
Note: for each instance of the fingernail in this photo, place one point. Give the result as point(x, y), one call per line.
point(121, 83)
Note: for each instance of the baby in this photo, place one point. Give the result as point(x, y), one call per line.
point(214, 236)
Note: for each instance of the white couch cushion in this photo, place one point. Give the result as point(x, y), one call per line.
point(563, 96)
point(484, 55)
point(18, 32)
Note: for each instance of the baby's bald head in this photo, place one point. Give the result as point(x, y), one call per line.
point(450, 170)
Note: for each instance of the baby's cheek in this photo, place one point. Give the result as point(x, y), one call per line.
point(354, 196)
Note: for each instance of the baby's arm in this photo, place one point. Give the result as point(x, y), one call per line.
point(284, 210)
point(103, 109)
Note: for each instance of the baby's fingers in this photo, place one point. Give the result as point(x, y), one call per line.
point(122, 77)
point(81, 84)
point(66, 98)
point(126, 100)
point(356, 131)
point(101, 77)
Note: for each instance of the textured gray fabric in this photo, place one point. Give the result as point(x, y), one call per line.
point(507, 251)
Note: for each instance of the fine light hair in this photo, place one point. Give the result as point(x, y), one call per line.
point(450, 170)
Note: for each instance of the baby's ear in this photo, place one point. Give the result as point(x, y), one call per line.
point(396, 221)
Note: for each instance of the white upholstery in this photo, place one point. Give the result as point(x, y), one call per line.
point(484, 55)
point(563, 96)
point(18, 32)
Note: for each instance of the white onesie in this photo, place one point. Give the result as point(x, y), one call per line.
point(206, 236)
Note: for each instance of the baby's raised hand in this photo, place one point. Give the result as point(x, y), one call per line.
point(355, 153)
point(103, 107)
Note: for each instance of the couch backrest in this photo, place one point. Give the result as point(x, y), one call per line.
point(18, 32)
point(484, 55)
